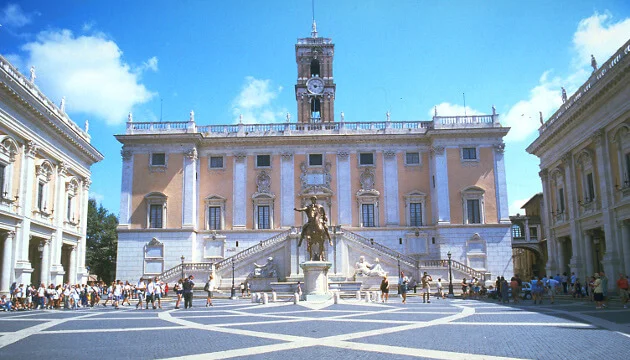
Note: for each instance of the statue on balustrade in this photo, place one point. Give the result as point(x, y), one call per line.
point(315, 230)
point(267, 270)
point(363, 268)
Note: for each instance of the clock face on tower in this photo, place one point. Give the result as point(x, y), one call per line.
point(315, 85)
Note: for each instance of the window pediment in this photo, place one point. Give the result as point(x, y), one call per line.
point(9, 147)
point(156, 196)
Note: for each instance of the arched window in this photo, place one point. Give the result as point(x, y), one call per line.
point(517, 232)
point(316, 115)
point(314, 67)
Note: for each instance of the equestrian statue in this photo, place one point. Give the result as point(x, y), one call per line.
point(315, 230)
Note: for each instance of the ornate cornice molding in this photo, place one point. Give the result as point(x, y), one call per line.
point(389, 154)
point(240, 157)
point(287, 156)
point(31, 148)
point(191, 154)
point(437, 150)
point(343, 154)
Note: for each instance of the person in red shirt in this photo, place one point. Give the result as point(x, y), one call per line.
point(622, 285)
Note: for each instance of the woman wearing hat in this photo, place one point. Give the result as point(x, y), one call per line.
point(598, 292)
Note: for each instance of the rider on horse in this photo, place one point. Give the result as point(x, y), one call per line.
point(315, 213)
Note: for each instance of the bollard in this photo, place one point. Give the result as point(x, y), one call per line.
point(254, 300)
point(358, 295)
point(265, 298)
point(377, 296)
point(336, 297)
point(274, 296)
point(296, 298)
point(367, 296)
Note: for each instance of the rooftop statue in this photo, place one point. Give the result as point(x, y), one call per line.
point(564, 95)
point(593, 63)
point(315, 230)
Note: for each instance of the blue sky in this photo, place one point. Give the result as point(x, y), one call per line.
point(225, 58)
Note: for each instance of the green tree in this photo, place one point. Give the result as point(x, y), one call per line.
point(102, 242)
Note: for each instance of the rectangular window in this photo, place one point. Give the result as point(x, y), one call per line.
point(516, 231)
point(315, 160)
point(3, 192)
point(533, 232)
point(590, 187)
point(560, 200)
point(40, 196)
point(469, 153)
point(474, 212)
point(69, 211)
point(216, 162)
point(263, 160)
point(214, 218)
point(367, 212)
point(366, 159)
point(155, 216)
point(158, 159)
point(263, 217)
point(415, 214)
point(412, 158)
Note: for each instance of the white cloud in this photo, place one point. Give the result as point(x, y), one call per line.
point(594, 35)
point(96, 196)
point(88, 26)
point(515, 206)
point(255, 102)
point(448, 109)
point(89, 72)
point(13, 16)
point(151, 64)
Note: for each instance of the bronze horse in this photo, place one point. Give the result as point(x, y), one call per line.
point(315, 232)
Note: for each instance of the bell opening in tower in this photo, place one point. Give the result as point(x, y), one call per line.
point(316, 116)
point(315, 68)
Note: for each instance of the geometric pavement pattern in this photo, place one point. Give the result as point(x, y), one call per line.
point(239, 329)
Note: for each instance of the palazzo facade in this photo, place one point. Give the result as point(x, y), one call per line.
point(584, 151)
point(212, 197)
point(45, 161)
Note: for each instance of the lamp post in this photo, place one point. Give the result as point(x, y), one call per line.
point(399, 279)
point(450, 277)
point(233, 292)
point(183, 258)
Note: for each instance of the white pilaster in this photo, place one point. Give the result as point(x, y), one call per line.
point(60, 217)
point(588, 253)
point(26, 196)
point(7, 263)
point(72, 278)
point(344, 189)
point(287, 190)
point(625, 242)
point(571, 206)
point(126, 188)
point(189, 197)
point(45, 271)
point(500, 185)
point(440, 174)
point(239, 218)
point(390, 185)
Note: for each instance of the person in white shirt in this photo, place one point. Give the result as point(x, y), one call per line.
point(209, 288)
point(150, 296)
point(159, 291)
point(140, 289)
point(66, 297)
point(118, 289)
point(41, 296)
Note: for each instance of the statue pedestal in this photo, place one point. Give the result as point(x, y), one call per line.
point(316, 280)
point(261, 284)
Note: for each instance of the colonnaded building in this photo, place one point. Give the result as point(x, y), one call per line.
point(584, 151)
point(201, 198)
point(45, 161)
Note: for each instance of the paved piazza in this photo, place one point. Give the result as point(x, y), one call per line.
point(443, 329)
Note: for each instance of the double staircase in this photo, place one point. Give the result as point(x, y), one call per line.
point(409, 264)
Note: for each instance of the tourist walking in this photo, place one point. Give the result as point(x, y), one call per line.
point(465, 288)
point(159, 292)
point(604, 279)
point(403, 283)
point(440, 289)
point(384, 289)
point(598, 292)
point(140, 289)
point(150, 294)
point(426, 287)
point(537, 290)
point(209, 288)
point(515, 290)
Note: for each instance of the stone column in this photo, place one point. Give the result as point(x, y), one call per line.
point(440, 180)
point(189, 213)
point(588, 255)
point(287, 190)
point(625, 242)
point(126, 188)
point(72, 267)
point(344, 186)
point(560, 251)
point(61, 193)
point(240, 203)
point(500, 185)
point(390, 185)
point(610, 258)
point(81, 272)
point(45, 271)
point(7, 263)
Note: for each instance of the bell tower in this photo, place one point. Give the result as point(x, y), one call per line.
point(315, 87)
